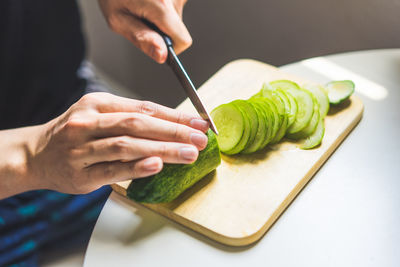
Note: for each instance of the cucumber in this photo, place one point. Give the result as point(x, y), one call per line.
point(269, 120)
point(261, 130)
point(293, 107)
point(246, 133)
point(305, 110)
point(315, 138)
point(339, 91)
point(305, 106)
point(310, 128)
point(321, 96)
point(269, 107)
point(231, 124)
point(281, 107)
point(252, 115)
point(174, 179)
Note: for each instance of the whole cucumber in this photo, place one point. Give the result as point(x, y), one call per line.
point(174, 179)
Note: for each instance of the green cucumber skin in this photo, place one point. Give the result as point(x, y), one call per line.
point(330, 87)
point(174, 179)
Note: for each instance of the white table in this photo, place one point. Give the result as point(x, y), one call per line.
point(348, 215)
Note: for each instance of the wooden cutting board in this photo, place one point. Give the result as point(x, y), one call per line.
point(238, 203)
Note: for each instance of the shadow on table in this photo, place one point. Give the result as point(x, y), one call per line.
point(152, 222)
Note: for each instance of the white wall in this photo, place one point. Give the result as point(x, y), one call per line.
point(273, 31)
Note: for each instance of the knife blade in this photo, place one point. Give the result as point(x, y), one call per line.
point(184, 79)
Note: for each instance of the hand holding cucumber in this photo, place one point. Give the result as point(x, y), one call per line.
point(103, 139)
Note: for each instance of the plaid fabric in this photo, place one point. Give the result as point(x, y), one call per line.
point(35, 219)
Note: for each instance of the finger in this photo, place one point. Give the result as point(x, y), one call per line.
point(112, 172)
point(167, 19)
point(147, 127)
point(178, 5)
point(144, 38)
point(107, 103)
point(125, 148)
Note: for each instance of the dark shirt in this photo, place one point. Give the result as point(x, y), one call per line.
point(41, 49)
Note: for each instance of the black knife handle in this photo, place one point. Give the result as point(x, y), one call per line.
point(166, 38)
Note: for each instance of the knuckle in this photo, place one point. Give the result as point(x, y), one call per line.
point(162, 151)
point(91, 99)
point(148, 107)
point(179, 132)
point(142, 37)
point(121, 146)
point(135, 121)
point(187, 41)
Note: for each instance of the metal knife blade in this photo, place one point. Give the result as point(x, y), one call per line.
point(187, 84)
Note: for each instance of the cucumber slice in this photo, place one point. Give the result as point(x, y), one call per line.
point(249, 111)
point(231, 125)
point(261, 130)
point(269, 119)
point(270, 107)
point(316, 138)
point(284, 118)
point(310, 128)
point(305, 110)
point(305, 106)
point(293, 107)
point(246, 133)
point(321, 96)
point(339, 91)
point(284, 85)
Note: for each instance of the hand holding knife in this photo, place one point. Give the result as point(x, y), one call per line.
point(180, 72)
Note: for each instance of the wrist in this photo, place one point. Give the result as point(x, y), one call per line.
point(17, 173)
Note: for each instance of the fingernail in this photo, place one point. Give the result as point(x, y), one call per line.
point(188, 153)
point(199, 124)
point(152, 165)
point(199, 140)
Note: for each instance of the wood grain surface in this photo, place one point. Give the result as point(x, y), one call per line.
point(238, 203)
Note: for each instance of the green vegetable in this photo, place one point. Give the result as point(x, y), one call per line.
point(316, 138)
point(281, 108)
point(339, 91)
point(261, 130)
point(252, 116)
point(174, 179)
point(231, 124)
point(322, 98)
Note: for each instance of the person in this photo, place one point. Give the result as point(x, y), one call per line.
point(61, 141)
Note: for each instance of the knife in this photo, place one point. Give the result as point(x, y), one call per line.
point(180, 72)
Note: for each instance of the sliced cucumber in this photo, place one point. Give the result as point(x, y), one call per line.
point(321, 96)
point(261, 130)
point(246, 133)
point(293, 107)
point(252, 115)
point(284, 118)
point(231, 123)
point(316, 138)
point(284, 85)
point(270, 106)
point(305, 110)
point(339, 91)
point(310, 128)
point(271, 118)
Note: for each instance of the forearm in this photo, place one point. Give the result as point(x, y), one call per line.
point(16, 146)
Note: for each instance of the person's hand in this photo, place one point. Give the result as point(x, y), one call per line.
point(125, 17)
point(103, 139)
